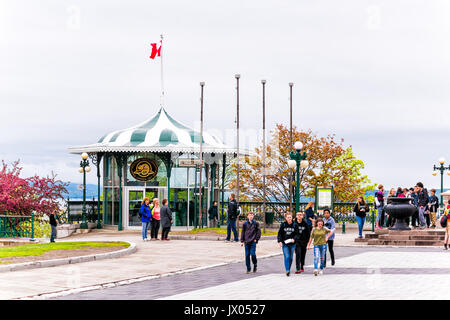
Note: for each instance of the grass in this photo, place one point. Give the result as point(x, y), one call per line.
point(224, 231)
point(39, 249)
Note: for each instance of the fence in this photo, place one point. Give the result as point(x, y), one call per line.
point(73, 211)
point(342, 212)
point(17, 226)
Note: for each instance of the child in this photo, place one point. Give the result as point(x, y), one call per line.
point(250, 235)
point(320, 235)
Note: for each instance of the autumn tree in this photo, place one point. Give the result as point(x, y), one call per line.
point(329, 163)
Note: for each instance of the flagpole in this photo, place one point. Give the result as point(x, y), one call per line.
point(162, 74)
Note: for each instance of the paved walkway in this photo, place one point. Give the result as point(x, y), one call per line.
point(359, 273)
point(151, 259)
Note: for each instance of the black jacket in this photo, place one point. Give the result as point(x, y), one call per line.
point(304, 233)
point(360, 213)
point(288, 231)
point(434, 203)
point(213, 212)
point(53, 220)
point(250, 232)
point(232, 210)
point(422, 198)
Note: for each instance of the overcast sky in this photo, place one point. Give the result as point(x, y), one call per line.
point(376, 73)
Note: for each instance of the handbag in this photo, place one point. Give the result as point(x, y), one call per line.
point(444, 221)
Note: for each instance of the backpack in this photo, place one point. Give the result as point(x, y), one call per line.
point(444, 221)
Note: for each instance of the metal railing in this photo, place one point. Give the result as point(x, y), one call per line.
point(342, 212)
point(12, 226)
point(73, 209)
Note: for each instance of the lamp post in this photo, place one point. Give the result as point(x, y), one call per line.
point(297, 161)
point(441, 168)
point(84, 167)
point(200, 208)
point(291, 84)
point(264, 155)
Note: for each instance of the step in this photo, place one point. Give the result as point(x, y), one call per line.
point(371, 236)
point(417, 232)
point(361, 240)
point(404, 242)
point(410, 237)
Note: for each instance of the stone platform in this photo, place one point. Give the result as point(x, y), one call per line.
point(415, 237)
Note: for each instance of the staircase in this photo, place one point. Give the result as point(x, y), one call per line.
point(427, 237)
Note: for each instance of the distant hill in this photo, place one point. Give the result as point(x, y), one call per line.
point(75, 193)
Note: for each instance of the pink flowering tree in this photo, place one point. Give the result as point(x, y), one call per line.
point(21, 196)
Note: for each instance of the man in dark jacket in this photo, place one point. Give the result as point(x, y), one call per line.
point(53, 225)
point(232, 216)
point(302, 241)
point(250, 235)
point(422, 202)
point(166, 219)
point(213, 215)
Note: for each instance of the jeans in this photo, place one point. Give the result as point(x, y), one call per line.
point(145, 226)
point(288, 252)
point(250, 250)
point(53, 234)
point(421, 217)
point(379, 215)
point(360, 221)
point(231, 225)
point(300, 253)
point(154, 228)
point(319, 253)
point(329, 244)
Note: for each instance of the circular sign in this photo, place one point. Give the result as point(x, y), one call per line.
point(144, 169)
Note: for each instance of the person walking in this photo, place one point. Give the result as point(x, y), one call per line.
point(330, 224)
point(156, 219)
point(287, 237)
point(379, 205)
point(250, 235)
point(422, 202)
point(213, 215)
point(361, 208)
point(319, 236)
point(300, 245)
point(433, 207)
point(166, 219)
point(146, 217)
point(53, 225)
point(415, 216)
point(309, 214)
point(232, 216)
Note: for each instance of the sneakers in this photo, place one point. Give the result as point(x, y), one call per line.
point(287, 274)
point(254, 269)
point(302, 270)
point(321, 272)
point(248, 271)
point(315, 272)
point(332, 263)
point(445, 246)
point(297, 272)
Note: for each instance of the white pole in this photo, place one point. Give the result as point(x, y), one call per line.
point(162, 74)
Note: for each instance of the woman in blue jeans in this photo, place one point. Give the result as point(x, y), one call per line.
point(287, 236)
point(319, 235)
point(146, 216)
point(361, 208)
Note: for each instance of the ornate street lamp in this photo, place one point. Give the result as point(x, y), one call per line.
point(297, 161)
point(441, 168)
point(84, 167)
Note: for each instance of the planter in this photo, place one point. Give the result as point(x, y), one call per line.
point(400, 209)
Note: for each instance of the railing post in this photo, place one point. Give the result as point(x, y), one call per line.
point(343, 225)
point(32, 226)
point(373, 220)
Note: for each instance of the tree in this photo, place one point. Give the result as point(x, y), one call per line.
point(22, 196)
point(329, 163)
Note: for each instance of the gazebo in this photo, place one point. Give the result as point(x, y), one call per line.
point(157, 159)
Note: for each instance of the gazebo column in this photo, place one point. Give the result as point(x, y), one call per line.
point(166, 158)
point(120, 161)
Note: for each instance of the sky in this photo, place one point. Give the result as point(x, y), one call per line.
point(375, 73)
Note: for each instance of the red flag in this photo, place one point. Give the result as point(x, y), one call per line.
point(155, 50)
